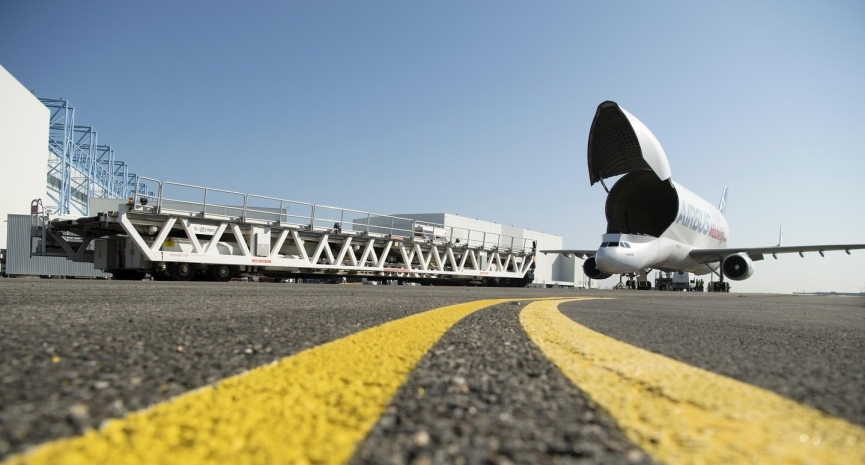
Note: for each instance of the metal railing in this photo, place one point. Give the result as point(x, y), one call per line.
point(210, 203)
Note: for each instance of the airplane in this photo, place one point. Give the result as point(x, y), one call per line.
point(654, 222)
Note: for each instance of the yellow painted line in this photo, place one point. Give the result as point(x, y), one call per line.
point(682, 414)
point(313, 407)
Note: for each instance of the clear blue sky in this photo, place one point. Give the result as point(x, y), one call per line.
point(478, 108)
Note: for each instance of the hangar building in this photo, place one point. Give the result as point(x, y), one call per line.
point(46, 154)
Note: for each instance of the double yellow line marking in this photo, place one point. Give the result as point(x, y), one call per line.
point(316, 406)
point(313, 407)
point(682, 414)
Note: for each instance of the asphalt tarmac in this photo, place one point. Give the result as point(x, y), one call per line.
point(78, 352)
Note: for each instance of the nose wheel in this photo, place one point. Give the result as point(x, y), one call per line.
point(630, 283)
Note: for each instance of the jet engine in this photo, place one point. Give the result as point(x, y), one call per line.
point(738, 266)
point(590, 268)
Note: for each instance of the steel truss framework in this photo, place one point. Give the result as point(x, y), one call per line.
point(79, 167)
point(182, 237)
point(323, 251)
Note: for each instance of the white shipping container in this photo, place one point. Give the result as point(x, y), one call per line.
point(20, 263)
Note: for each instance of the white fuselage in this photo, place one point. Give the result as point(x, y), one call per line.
point(698, 224)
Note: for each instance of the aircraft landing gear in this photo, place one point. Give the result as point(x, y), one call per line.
point(720, 286)
point(631, 283)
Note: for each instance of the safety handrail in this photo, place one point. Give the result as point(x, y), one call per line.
point(323, 217)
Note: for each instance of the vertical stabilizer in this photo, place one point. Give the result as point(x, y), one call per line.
point(723, 205)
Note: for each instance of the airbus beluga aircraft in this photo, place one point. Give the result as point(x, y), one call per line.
point(654, 222)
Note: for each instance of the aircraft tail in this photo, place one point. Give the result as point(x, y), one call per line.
point(723, 205)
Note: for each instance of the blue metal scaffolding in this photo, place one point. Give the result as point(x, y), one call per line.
point(82, 168)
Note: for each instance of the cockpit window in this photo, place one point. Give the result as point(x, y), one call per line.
point(604, 244)
point(626, 245)
point(612, 244)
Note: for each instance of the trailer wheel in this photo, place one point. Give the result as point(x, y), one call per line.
point(182, 271)
point(221, 273)
point(662, 287)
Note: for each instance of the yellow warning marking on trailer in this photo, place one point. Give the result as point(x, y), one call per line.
point(312, 407)
point(682, 414)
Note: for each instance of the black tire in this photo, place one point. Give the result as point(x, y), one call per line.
point(662, 287)
point(182, 271)
point(221, 273)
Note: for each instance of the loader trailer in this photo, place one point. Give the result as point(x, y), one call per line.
point(184, 232)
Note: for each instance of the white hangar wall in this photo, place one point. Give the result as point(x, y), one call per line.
point(545, 272)
point(23, 149)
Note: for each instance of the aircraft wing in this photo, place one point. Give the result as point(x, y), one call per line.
point(578, 253)
point(756, 253)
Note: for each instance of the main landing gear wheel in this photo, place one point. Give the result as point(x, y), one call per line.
point(182, 271)
point(221, 273)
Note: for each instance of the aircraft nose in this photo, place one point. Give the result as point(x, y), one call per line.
point(613, 260)
point(606, 260)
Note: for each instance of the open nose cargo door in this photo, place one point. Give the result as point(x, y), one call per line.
point(619, 143)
